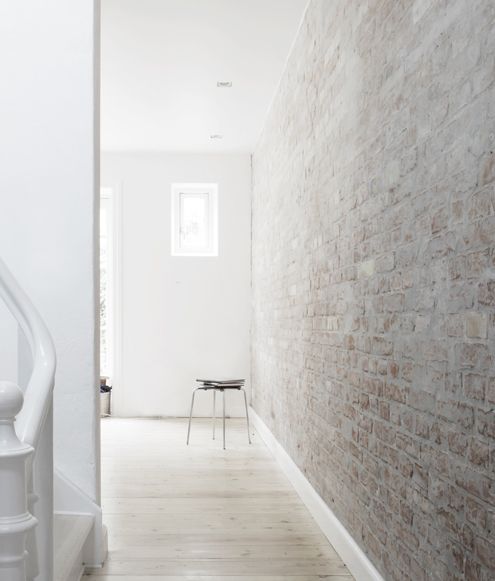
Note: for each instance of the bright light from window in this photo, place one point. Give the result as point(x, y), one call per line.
point(194, 220)
point(194, 229)
point(106, 282)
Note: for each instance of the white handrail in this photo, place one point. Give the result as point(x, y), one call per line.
point(38, 394)
point(18, 446)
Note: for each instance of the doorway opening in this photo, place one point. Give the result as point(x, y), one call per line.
point(109, 297)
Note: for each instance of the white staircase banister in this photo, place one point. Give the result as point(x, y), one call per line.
point(16, 522)
point(38, 394)
point(31, 412)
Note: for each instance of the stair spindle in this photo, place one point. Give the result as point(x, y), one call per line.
point(15, 519)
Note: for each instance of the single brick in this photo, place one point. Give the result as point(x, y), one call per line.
point(476, 325)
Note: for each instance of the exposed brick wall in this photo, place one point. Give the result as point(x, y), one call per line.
point(374, 277)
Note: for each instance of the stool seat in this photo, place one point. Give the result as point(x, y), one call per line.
point(219, 387)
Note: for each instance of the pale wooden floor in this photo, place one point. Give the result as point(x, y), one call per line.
point(177, 513)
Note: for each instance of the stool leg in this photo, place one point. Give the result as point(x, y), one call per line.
point(190, 416)
point(223, 393)
point(214, 412)
point(247, 414)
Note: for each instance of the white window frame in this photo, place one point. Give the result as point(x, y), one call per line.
point(107, 199)
point(194, 188)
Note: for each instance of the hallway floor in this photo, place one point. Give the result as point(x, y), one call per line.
point(177, 513)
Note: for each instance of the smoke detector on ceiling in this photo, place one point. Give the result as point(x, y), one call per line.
point(224, 84)
point(216, 136)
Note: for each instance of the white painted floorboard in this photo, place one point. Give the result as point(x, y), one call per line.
point(198, 512)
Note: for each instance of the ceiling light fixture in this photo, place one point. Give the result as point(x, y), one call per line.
point(216, 136)
point(224, 84)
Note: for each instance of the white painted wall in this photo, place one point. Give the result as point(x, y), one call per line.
point(182, 317)
point(47, 194)
point(8, 346)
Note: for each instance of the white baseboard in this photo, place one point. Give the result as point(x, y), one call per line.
point(349, 551)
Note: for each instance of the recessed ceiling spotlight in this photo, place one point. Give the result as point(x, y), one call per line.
point(224, 84)
point(216, 136)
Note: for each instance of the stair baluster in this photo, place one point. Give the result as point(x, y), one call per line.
point(15, 520)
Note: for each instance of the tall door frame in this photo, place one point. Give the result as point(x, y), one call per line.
point(114, 192)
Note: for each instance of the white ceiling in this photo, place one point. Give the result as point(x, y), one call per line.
point(161, 60)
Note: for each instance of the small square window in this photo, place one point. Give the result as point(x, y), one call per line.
point(194, 220)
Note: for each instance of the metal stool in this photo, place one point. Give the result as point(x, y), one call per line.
point(223, 390)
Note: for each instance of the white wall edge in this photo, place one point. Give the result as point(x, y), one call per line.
point(349, 551)
point(69, 499)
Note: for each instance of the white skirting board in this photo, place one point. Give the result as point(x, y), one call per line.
point(349, 551)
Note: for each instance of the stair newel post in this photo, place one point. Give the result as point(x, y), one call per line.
point(15, 519)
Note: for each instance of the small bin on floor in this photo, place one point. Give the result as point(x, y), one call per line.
point(105, 397)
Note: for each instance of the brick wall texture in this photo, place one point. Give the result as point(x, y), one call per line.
point(373, 335)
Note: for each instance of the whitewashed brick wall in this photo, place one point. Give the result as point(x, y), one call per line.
point(374, 277)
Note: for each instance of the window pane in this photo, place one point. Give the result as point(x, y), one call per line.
point(194, 218)
point(105, 286)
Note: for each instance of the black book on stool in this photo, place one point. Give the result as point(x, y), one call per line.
point(222, 383)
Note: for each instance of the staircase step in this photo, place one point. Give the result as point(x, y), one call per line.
point(70, 534)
